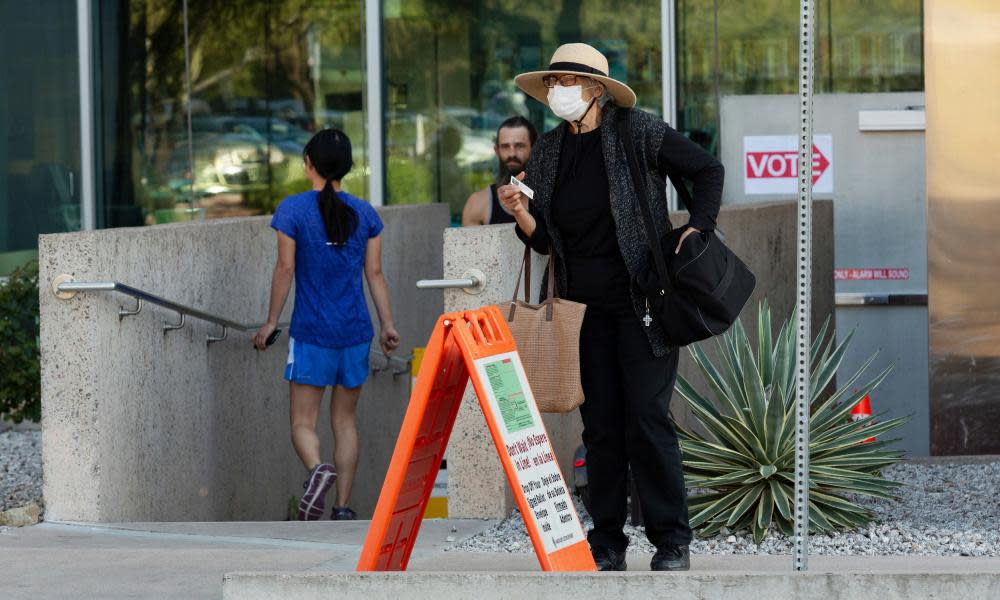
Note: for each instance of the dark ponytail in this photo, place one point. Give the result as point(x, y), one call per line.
point(329, 152)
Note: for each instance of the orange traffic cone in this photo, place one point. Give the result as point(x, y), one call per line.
point(863, 411)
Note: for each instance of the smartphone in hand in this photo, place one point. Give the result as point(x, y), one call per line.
point(271, 338)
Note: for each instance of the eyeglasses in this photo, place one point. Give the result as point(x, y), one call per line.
point(566, 80)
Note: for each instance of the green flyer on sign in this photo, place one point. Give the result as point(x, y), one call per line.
point(507, 389)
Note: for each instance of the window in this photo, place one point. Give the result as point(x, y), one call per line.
point(450, 67)
point(264, 77)
point(39, 127)
point(727, 48)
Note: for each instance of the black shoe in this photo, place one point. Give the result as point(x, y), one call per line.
point(671, 558)
point(608, 559)
point(342, 513)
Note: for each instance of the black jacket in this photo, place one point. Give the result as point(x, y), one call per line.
point(661, 150)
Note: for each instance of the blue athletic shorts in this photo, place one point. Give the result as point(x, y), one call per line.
point(320, 367)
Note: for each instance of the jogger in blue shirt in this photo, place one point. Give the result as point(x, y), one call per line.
point(326, 239)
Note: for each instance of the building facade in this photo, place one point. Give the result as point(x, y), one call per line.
point(135, 112)
point(94, 125)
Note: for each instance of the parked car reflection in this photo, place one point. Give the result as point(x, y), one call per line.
point(278, 132)
point(227, 166)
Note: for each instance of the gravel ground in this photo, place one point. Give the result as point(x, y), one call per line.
point(20, 469)
point(943, 510)
point(949, 509)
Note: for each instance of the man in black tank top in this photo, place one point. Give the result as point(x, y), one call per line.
point(514, 140)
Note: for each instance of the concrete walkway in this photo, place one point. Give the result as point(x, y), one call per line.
point(313, 560)
point(183, 560)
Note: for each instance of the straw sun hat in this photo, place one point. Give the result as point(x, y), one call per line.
point(579, 59)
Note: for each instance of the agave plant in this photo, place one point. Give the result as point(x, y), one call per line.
point(745, 461)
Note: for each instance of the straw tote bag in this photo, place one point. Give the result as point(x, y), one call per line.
point(548, 340)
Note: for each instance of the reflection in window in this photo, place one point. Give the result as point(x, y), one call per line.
point(264, 77)
point(450, 68)
point(751, 47)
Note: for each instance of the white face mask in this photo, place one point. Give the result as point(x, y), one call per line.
point(566, 102)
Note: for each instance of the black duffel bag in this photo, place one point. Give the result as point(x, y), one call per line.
point(701, 290)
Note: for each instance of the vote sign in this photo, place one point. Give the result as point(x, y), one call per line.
point(771, 164)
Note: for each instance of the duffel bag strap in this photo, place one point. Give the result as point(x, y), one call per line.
point(639, 184)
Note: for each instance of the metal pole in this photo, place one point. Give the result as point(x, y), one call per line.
point(668, 70)
point(373, 101)
point(85, 48)
point(804, 288)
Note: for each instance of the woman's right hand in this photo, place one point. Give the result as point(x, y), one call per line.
point(388, 339)
point(511, 197)
point(260, 339)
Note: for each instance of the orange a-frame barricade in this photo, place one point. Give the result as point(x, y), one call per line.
point(475, 344)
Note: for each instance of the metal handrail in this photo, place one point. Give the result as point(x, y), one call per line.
point(443, 284)
point(881, 299)
point(472, 281)
point(67, 289)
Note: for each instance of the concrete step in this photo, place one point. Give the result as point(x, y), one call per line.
point(506, 577)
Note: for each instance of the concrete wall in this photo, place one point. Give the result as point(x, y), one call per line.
point(880, 222)
point(763, 235)
point(142, 426)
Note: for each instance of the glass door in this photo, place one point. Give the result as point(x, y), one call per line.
point(39, 126)
point(449, 81)
point(264, 76)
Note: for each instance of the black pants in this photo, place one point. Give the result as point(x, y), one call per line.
point(625, 422)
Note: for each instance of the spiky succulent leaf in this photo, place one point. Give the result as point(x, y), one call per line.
point(745, 459)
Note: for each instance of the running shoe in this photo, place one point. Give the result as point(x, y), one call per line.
point(316, 486)
point(343, 513)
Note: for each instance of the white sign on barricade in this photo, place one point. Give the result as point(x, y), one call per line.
point(527, 444)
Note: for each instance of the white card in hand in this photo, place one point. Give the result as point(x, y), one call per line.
point(527, 191)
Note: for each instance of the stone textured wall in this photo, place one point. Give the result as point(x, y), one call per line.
point(142, 426)
point(139, 425)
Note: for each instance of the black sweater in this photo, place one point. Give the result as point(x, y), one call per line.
point(661, 151)
point(581, 210)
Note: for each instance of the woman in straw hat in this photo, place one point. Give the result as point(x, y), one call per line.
point(585, 209)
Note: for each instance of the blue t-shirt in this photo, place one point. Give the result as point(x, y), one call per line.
point(330, 307)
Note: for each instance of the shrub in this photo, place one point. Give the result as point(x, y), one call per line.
point(408, 182)
point(746, 459)
point(20, 375)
